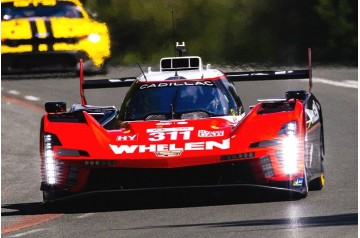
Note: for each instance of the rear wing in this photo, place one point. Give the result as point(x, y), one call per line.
point(233, 76)
point(101, 83)
point(267, 75)
point(273, 75)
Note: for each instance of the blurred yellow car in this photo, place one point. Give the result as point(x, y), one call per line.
point(51, 35)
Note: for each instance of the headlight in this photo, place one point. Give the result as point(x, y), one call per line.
point(49, 163)
point(94, 38)
point(290, 147)
point(288, 129)
point(49, 160)
point(290, 154)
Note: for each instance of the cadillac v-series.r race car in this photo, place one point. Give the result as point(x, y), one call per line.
point(51, 35)
point(183, 126)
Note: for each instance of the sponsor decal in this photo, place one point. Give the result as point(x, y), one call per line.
point(156, 130)
point(313, 114)
point(167, 123)
point(298, 182)
point(163, 123)
point(176, 84)
point(159, 134)
point(310, 156)
point(205, 133)
point(168, 153)
point(127, 138)
point(189, 146)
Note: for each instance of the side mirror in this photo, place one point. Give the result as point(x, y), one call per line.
point(55, 107)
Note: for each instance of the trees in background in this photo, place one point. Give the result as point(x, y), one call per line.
point(232, 31)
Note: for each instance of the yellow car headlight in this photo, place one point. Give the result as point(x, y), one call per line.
point(94, 38)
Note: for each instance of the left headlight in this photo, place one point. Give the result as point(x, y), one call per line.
point(290, 147)
point(94, 37)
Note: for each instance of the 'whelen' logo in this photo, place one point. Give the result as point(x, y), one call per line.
point(170, 149)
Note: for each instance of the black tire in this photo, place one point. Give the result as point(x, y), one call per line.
point(48, 196)
point(305, 185)
point(319, 182)
point(49, 202)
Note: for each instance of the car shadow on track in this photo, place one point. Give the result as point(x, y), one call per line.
point(142, 200)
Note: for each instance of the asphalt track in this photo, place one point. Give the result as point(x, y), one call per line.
point(331, 212)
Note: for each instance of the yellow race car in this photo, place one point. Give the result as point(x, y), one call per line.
point(51, 35)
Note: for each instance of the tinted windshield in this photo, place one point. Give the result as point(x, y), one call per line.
point(176, 100)
point(61, 9)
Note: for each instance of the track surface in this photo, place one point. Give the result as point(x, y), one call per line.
point(332, 212)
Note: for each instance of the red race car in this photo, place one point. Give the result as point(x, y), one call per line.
point(183, 126)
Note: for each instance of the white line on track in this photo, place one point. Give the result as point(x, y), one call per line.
point(14, 92)
point(31, 98)
point(27, 233)
point(345, 83)
point(26, 97)
point(85, 215)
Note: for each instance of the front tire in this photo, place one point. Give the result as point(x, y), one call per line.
point(48, 201)
point(305, 185)
point(319, 182)
point(48, 196)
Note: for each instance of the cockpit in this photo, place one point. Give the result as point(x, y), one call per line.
point(177, 100)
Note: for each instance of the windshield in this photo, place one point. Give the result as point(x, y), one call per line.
point(61, 9)
point(161, 101)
